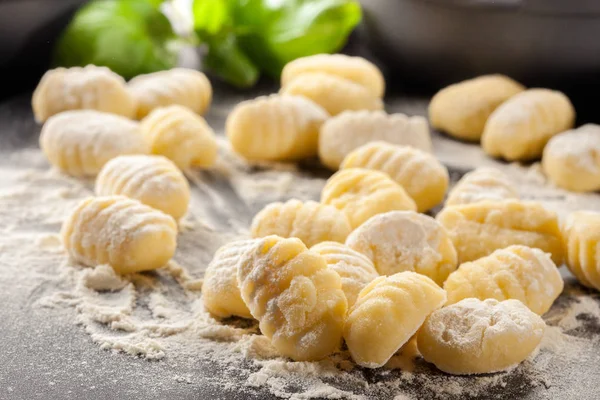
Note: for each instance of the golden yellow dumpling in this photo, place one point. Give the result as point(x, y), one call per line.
point(581, 233)
point(482, 184)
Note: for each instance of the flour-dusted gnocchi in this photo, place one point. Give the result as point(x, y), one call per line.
point(480, 337)
point(520, 128)
point(423, 177)
point(581, 233)
point(478, 229)
point(516, 272)
point(352, 129)
point(80, 142)
point(180, 135)
point(87, 88)
point(572, 159)
point(482, 184)
point(362, 193)
point(355, 269)
point(461, 110)
point(355, 69)
point(308, 221)
point(399, 241)
point(152, 180)
point(122, 232)
point(297, 299)
point(387, 313)
point(275, 128)
point(178, 86)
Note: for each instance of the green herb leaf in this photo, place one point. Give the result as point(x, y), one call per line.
point(211, 17)
point(227, 60)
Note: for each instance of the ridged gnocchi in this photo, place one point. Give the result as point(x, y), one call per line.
point(152, 180)
point(80, 142)
point(87, 88)
point(480, 337)
point(482, 184)
point(275, 128)
point(581, 233)
point(352, 129)
point(387, 313)
point(122, 232)
point(178, 86)
point(308, 221)
point(423, 177)
point(297, 299)
point(180, 135)
point(461, 110)
point(520, 128)
point(398, 241)
point(362, 193)
point(516, 272)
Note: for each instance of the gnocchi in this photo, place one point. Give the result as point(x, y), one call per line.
point(480, 185)
point(582, 239)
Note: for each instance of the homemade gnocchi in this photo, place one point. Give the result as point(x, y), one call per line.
point(387, 313)
point(581, 233)
point(482, 184)
point(296, 298)
point(122, 232)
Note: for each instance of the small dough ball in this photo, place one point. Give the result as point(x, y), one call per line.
point(275, 128)
point(387, 314)
point(87, 88)
point(581, 233)
point(350, 130)
point(423, 177)
point(516, 272)
point(333, 93)
point(355, 269)
point(152, 180)
point(80, 142)
point(461, 110)
point(572, 159)
point(362, 193)
point(482, 184)
point(480, 336)
point(180, 135)
point(179, 86)
point(297, 299)
point(399, 241)
point(355, 69)
point(520, 128)
point(122, 232)
point(309, 221)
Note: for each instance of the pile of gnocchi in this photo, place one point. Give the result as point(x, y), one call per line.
point(363, 265)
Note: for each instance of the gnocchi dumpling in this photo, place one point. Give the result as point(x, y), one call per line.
point(362, 193)
point(152, 180)
point(309, 221)
point(387, 313)
point(296, 298)
point(275, 128)
point(482, 184)
point(350, 130)
point(399, 241)
point(516, 272)
point(581, 233)
point(87, 88)
point(423, 177)
point(122, 232)
point(520, 128)
point(480, 336)
point(80, 142)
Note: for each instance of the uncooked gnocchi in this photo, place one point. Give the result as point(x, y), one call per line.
point(581, 233)
point(152, 180)
point(275, 128)
point(387, 314)
point(516, 272)
point(87, 88)
point(520, 128)
point(480, 185)
point(423, 177)
point(480, 337)
point(309, 221)
point(362, 193)
point(352, 129)
point(122, 232)
point(399, 241)
point(180, 135)
point(461, 110)
point(297, 299)
point(80, 142)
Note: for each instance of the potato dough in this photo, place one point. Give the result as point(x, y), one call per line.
point(581, 233)
point(482, 184)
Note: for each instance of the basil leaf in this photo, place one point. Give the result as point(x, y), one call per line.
point(211, 16)
point(227, 60)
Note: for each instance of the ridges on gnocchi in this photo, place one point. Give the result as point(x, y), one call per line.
point(581, 234)
point(482, 184)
